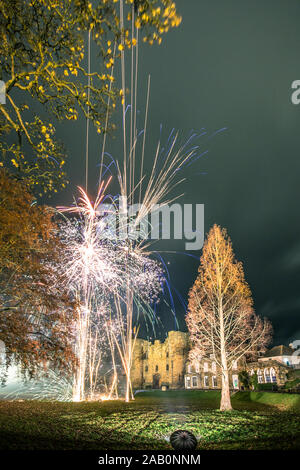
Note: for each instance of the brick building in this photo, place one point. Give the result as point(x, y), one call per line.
point(207, 375)
point(166, 365)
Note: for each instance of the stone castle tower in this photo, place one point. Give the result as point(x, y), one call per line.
point(157, 364)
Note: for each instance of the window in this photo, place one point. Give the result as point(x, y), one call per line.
point(146, 369)
point(273, 375)
point(189, 368)
point(206, 382)
point(235, 381)
point(167, 354)
point(213, 366)
point(267, 376)
point(194, 381)
point(167, 367)
point(214, 381)
point(234, 365)
point(197, 367)
point(188, 382)
point(205, 366)
point(260, 378)
point(156, 368)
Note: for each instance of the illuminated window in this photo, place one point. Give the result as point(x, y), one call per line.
point(273, 375)
point(197, 368)
point(267, 376)
point(235, 381)
point(205, 366)
point(260, 378)
point(213, 366)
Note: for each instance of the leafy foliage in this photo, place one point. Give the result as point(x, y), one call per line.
point(254, 380)
point(35, 311)
point(293, 384)
point(42, 56)
point(245, 379)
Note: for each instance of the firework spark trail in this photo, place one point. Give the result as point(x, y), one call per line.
point(136, 187)
point(118, 276)
point(89, 269)
point(53, 387)
point(98, 271)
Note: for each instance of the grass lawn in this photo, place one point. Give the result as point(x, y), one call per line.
point(260, 420)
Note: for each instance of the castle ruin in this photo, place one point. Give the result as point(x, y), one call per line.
point(156, 365)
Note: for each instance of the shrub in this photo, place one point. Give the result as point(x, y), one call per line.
point(244, 379)
point(267, 387)
point(292, 384)
point(254, 381)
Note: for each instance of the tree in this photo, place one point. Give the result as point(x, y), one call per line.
point(42, 57)
point(35, 311)
point(254, 381)
point(245, 379)
point(220, 318)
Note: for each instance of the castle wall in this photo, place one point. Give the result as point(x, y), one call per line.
point(160, 364)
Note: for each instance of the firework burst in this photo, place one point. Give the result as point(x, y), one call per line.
point(116, 280)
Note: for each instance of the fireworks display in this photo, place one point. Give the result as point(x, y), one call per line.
point(115, 280)
point(107, 279)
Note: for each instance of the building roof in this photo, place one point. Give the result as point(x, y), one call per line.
point(281, 350)
point(266, 363)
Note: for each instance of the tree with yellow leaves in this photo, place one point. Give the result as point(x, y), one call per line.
point(220, 318)
point(42, 56)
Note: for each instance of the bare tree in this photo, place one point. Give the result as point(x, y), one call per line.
point(220, 318)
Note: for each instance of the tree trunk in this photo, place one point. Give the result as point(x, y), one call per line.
point(127, 392)
point(225, 395)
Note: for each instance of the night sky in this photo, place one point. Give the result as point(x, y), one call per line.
point(229, 65)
